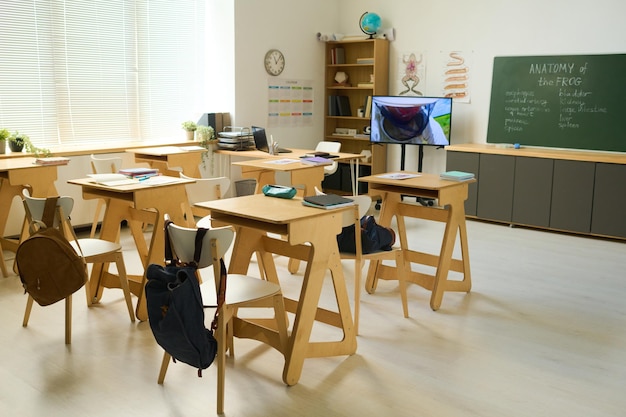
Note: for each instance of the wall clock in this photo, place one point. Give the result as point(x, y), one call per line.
point(274, 62)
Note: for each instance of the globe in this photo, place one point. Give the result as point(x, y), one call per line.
point(370, 23)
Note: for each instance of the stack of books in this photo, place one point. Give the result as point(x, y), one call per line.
point(327, 201)
point(456, 176)
point(52, 160)
point(139, 173)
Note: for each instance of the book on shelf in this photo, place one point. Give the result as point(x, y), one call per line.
point(368, 107)
point(337, 56)
point(365, 85)
point(327, 201)
point(52, 160)
point(332, 106)
point(365, 60)
point(343, 106)
point(456, 175)
point(316, 160)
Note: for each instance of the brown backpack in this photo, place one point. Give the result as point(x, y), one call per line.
point(49, 267)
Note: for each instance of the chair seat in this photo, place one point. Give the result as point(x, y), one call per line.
point(93, 247)
point(241, 289)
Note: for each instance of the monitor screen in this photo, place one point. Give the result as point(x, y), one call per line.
point(411, 120)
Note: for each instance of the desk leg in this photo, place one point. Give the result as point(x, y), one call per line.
point(454, 217)
point(455, 222)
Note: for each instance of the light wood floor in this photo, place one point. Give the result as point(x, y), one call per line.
point(541, 334)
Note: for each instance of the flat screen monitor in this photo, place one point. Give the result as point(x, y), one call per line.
point(411, 120)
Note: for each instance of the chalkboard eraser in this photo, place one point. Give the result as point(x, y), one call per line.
point(503, 145)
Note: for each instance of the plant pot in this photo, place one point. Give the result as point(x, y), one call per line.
point(16, 146)
point(191, 135)
point(3, 146)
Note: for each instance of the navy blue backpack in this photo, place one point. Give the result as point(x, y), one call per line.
point(176, 310)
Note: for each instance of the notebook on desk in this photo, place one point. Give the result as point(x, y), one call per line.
point(260, 140)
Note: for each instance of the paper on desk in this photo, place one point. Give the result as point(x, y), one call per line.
point(398, 176)
point(192, 148)
point(160, 179)
point(283, 161)
point(112, 180)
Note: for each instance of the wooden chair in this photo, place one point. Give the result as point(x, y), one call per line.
point(102, 166)
point(92, 250)
point(353, 217)
point(330, 147)
point(241, 292)
point(204, 189)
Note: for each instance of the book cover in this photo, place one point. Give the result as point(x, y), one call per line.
point(368, 107)
point(332, 106)
point(343, 106)
point(52, 160)
point(138, 172)
point(456, 175)
point(327, 201)
point(316, 160)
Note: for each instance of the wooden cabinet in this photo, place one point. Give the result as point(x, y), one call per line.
point(362, 61)
point(571, 191)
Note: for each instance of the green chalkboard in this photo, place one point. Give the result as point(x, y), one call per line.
point(576, 102)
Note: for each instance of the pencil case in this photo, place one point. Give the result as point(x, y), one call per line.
point(279, 191)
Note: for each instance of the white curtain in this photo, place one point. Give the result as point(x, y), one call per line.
point(79, 71)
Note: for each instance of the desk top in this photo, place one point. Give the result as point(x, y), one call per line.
point(294, 154)
point(150, 183)
point(422, 181)
point(277, 164)
point(267, 209)
point(20, 163)
point(167, 150)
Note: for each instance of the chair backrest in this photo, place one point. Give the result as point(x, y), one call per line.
point(105, 165)
point(206, 189)
point(182, 241)
point(34, 207)
point(330, 147)
point(363, 203)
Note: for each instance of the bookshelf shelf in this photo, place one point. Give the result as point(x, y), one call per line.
point(343, 56)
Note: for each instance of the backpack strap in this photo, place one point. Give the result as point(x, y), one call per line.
point(49, 211)
point(221, 293)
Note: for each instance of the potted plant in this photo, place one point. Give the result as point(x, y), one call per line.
point(206, 134)
point(16, 141)
point(4, 136)
point(190, 127)
point(20, 141)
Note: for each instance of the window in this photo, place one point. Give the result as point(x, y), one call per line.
point(100, 70)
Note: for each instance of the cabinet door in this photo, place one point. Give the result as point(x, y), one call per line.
point(533, 191)
point(495, 187)
point(572, 195)
point(467, 162)
point(609, 200)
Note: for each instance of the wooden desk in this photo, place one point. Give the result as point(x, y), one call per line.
point(165, 157)
point(450, 210)
point(266, 172)
point(254, 217)
point(15, 175)
point(137, 204)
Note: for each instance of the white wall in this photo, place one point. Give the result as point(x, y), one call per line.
point(486, 28)
point(289, 26)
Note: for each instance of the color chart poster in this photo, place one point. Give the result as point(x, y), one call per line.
point(290, 103)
